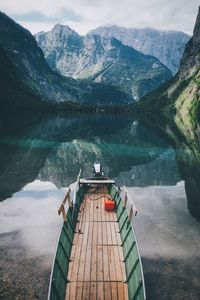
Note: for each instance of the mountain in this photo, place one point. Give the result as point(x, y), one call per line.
point(71, 54)
point(178, 103)
point(167, 46)
point(102, 60)
point(13, 90)
point(132, 71)
point(26, 78)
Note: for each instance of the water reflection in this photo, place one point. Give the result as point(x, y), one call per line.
point(173, 232)
point(186, 143)
point(169, 242)
point(29, 228)
point(188, 161)
point(52, 148)
point(31, 213)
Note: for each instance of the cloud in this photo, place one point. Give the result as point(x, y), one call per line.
point(61, 16)
point(83, 15)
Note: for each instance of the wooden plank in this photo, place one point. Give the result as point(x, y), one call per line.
point(95, 211)
point(100, 291)
point(93, 291)
point(109, 214)
point(113, 234)
point(67, 293)
point(85, 209)
point(106, 274)
point(79, 290)
point(104, 233)
point(118, 263)
point(107, 290)
point(114, 290)
point(83, 253)
point(111, 263)
point(87, 203)
point(95, 234)
point(91, 210)
point(99, 263)
point(109, 234)
point(72, 293)
point(86, 290)
point(94, 254)
point(74, 265)
point(125, 285)
point(88, 257)
point(98, 211)
point(94, 264)
point(102, 210)
point(120, 290)
point(99, 233)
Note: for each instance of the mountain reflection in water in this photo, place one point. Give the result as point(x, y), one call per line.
point(54, 148)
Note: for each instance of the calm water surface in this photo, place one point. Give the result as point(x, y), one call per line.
point(41, 155)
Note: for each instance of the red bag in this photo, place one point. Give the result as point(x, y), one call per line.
point(109, 204)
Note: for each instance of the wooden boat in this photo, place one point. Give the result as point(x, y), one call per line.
point(97, 255)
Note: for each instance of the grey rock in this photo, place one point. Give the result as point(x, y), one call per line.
point(167, 46)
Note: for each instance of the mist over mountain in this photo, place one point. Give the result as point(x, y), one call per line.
point(102, 60)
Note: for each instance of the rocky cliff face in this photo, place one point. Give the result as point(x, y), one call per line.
point(71, 54)
point(167, 46)
point(27, 75)
point(190, 62)
point(132, 71)
point(184, 92)
point(102, 60)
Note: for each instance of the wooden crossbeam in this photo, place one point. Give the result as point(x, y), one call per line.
point(62, 206)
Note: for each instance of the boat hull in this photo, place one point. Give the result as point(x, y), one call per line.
point(63, 280)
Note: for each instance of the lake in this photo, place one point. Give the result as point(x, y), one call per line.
point(40, 155)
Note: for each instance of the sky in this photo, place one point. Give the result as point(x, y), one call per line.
point(84, 15)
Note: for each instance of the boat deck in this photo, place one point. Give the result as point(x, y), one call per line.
point(96, 270)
